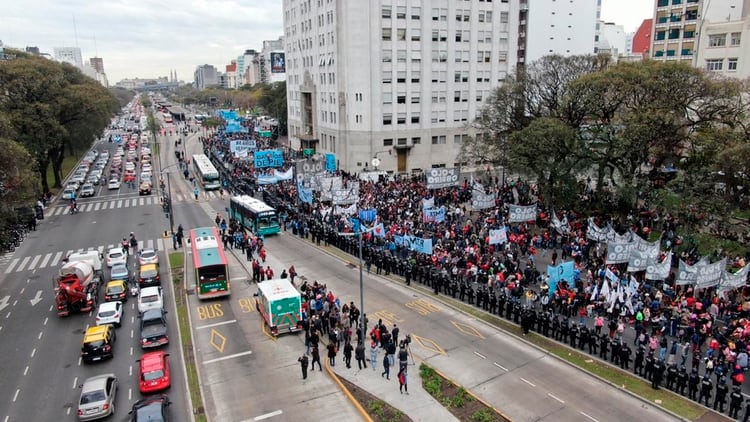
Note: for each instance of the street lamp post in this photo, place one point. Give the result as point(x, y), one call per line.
point(360, 233)
point(169, 206)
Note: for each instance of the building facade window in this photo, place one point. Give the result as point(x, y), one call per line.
point(732, 63)
point(438, 140)
point(386, 12)
point(387, 34)
point(387, 119)
point(717, 40)
point(714, 65)
point(735, 38)
point(388, 142)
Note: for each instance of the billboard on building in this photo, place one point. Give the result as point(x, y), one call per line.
point(278, 62)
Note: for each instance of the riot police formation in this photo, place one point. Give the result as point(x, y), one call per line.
point(638, 362)
point(721, 395)
point(682, 379)
point(706, 389)
point(671, 376)
point(735, 402)
point(693, 383)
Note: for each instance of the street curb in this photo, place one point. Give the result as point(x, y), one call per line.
point(179, 333)
point(348, 394)
point(546, 352)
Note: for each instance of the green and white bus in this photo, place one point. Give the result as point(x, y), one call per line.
point(254, 214)
point(210, 263)
point(206, 172)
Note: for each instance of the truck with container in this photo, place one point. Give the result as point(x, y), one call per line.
point(76, 288)
point(280, 305)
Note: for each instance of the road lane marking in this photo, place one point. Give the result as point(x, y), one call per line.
point(45, 321)
point(528, 382)
point(44, 261)
point(480, 355)
point(216, 324)
point(23, 264)
point(35, 261)
point(595, 420)
point(15, 396)
point(130, 394)
point(556, 398)
point(12, 264)
point(119, 203)
point(131, 351)
point(236, 355)
point(23, 289)
point(500, 366)
point(268, 415)
point(40, 335)
point(33, 352)
point(8, 315)
point(26, 371)
point(131, 333)
point(15, 302)
point(79, 361)
point(75, 383)
point(97, 206)
point(56, 259)
point(130, 370)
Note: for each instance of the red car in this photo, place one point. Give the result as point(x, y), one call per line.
point(154, 372)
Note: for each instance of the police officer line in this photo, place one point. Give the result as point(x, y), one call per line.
point(126, 203)
point(54, 259)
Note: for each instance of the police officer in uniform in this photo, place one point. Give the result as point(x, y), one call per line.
point(735, 402)
point(706, 389)
point(407, 273)
point(671, 376)
point(583, 337)
point(493, 301)
point(573, 333)
point(470, 293)
point(501, 304)
point(625, 352)
point(564, 329)
point(648, 368)
point(658, 374)
point(693, 381)
point(638, 362)
point(614, 346)
point(682, 379)
point(721, 394)
point(480, 296)
point(462, 291)
point(603, 346)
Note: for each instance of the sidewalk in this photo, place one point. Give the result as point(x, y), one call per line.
point(418, 404)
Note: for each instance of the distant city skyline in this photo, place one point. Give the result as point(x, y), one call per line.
point(143, 39)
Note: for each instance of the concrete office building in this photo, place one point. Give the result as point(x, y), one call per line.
point(205, 76)
point(71, 55)
point(568, 27)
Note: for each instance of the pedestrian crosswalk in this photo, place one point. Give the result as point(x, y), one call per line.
point(108, 204)
point(53, 259)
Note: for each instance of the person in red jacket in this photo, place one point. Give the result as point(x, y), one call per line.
point(269, 273)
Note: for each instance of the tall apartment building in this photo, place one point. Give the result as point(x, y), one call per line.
point(394, 81)
point(205, 76)
point(723, 44)
point(248, 69)
point(97, 63)
point(272, 61)
point(566, 27)
point(71, 55)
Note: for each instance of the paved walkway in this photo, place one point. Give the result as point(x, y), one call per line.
point(417, 404)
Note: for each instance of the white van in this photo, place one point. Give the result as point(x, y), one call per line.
point(150, 298)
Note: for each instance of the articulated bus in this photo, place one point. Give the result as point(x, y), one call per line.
point(254, 214)
point(210, 263)
point(206, 172)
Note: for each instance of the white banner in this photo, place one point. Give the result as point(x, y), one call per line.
point(560, 226)
point(737, 279)
point(709, 275)
point(428, 203)
point(521, 213)
point(350, 210)
point(481, 201)
point(595, 232)
point(619, 252)
point(443, 177)
point(498, 236)
point(688, 274)
point(638, 261)
point(658, 270)
point(345, 196)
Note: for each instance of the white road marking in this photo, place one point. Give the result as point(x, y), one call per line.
point(131, 333)
point(15, 396)
point(480, 355)
point(500, 366)
point(44, 261)
point(595, 420)
point(130, 394)
point(131, 351)
point(130, 371)
point(80, 361)
point(45, 321)
point(40, 335)
point(8, 315)
point(67, 412)
point(26, 371)
point(97, 206)
point(232, 321)
point(15, 302)
point(528, 382)
point(236, 355)
point(75, 382)
point(22, 290)
point(11, 266)
point(268, 415)
point(23, 264)
point(51, 307)
point(35, 261)
point(33, 352)
point(7, 418)
point(56, 259)
point(556, 398)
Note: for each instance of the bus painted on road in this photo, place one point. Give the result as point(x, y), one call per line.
point(254, 214)
point(206, 172)
point(210, 263)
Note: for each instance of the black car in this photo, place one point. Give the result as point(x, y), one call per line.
point(151, 408)
point(154, 328)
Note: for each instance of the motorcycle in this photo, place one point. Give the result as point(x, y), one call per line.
point(73, 209)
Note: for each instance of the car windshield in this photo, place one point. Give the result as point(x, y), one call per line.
point(148, 255)
point(93, 397)
point(148, 273)
point(94, 344)
point(115, 289)
point(106, 314)
point(153, 375)
point(150, 412)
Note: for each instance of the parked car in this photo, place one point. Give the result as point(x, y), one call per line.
point(152, 409)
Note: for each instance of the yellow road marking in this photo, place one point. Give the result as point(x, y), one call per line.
point(422, 307)
point(429, 344)
point(467, 329)
point(222, 341)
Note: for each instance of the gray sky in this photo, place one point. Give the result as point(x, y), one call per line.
point(145, 38)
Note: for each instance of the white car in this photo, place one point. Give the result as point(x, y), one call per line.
point(116, 256)
point(150, 298)
point(146, 167)
point(113, 184)
point(109, 313)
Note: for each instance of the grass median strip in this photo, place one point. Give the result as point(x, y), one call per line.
point(176, 262)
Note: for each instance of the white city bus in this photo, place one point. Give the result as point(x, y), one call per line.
point(205, 172)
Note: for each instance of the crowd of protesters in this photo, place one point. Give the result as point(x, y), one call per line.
point(692, 341)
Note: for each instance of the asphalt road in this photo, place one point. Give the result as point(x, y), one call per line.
point(41, 365)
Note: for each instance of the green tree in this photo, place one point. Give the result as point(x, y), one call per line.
point(19, 181)
point(547, 148)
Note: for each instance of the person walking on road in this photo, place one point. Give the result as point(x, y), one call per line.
point(348, 354)
point(196, 192)
point(303, 362)
point(359, 354)
point(331, 353)
point(386, 368)
point(402, 381)
point(316, 358)
point(374, 355)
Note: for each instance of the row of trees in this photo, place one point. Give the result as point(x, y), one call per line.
point(48, 111)
point(268, 99)
point(563, 120)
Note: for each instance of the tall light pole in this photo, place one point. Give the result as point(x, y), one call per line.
point(360, 233)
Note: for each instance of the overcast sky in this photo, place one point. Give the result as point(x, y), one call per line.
point(146, 38)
